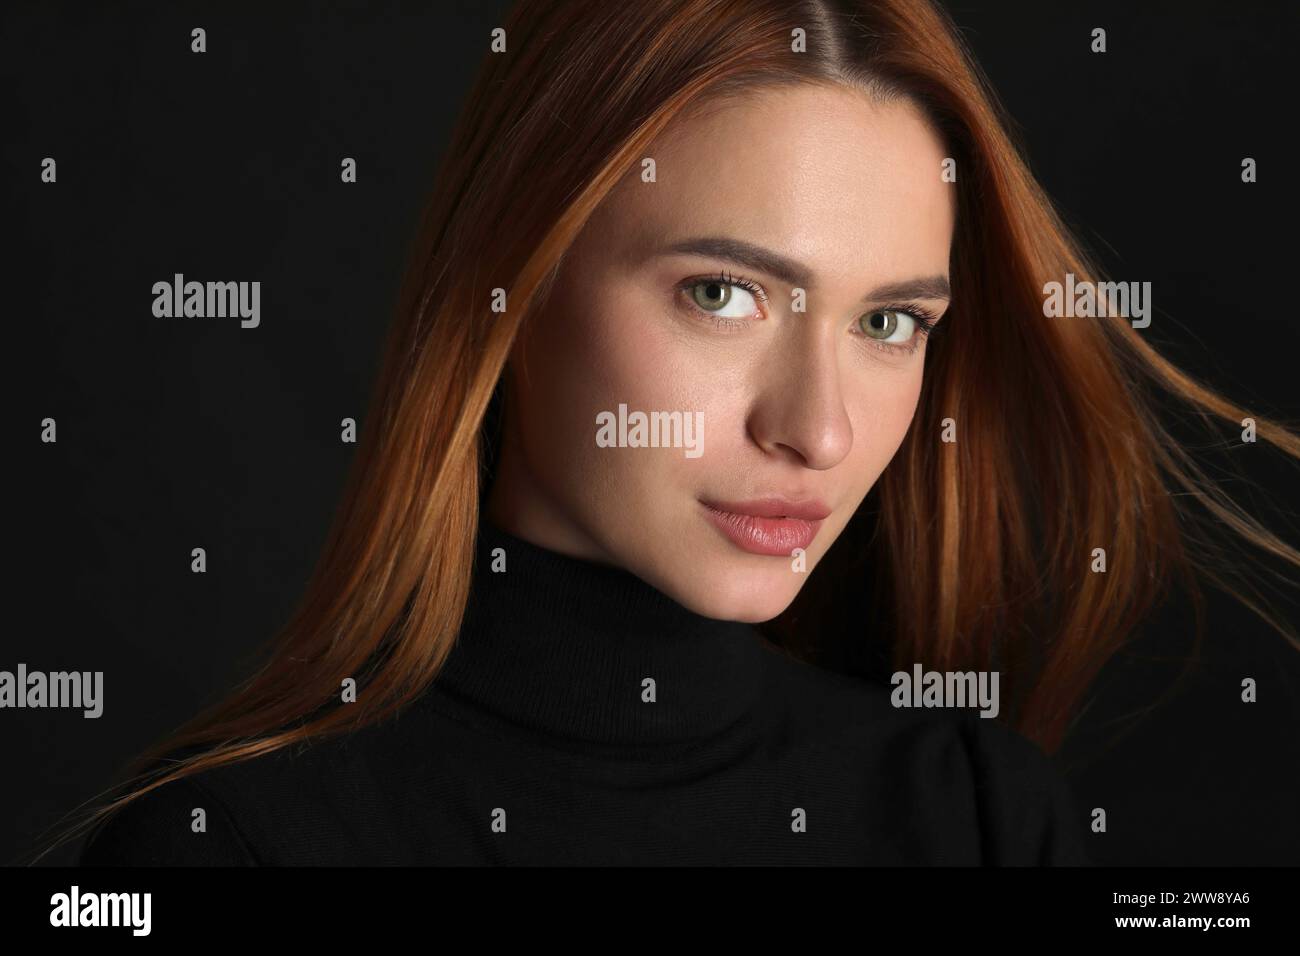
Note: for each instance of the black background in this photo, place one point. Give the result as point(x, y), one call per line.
point(225, 166)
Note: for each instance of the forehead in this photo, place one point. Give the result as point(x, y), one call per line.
point(826, 175)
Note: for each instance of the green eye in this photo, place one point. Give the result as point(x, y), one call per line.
point(882, 323)
point(711, 295)
point(737, 295)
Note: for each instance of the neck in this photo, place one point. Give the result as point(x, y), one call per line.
point(590, 652)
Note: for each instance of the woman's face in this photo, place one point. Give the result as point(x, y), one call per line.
point(764, 290)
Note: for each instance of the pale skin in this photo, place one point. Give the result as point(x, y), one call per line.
point(810, 404)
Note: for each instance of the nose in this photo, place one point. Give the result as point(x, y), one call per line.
point(799, 413)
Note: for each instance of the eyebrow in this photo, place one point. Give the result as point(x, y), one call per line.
point(795, 273)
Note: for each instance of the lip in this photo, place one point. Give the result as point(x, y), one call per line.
point(772, 525)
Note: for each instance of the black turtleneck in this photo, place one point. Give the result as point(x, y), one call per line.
point(585, 718)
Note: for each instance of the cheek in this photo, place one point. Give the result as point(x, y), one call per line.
point(632, 353)
point(881, 411)
point(587, 356)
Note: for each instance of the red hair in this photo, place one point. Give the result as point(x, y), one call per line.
point(1059, 449)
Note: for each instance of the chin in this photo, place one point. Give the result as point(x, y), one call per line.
point(736, 594)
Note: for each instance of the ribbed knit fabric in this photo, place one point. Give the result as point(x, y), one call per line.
point(562, 647)
point(585, 718)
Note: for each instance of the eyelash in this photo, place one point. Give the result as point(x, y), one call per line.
point(924, 318)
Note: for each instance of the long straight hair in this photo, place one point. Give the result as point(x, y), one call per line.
point(1058, 451)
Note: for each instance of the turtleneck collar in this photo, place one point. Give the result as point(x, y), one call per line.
point(562, 646)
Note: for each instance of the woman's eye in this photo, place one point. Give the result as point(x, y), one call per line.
point(884, 323)
point(714, 296)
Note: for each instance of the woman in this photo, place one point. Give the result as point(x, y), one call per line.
point(660, 398)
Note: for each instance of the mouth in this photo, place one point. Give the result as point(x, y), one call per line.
point(770, 526)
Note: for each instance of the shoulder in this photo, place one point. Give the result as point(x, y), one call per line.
point(1027, 810)
point(948, 769)
point(179, 823)
point(316, 802)
point(230, 815)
